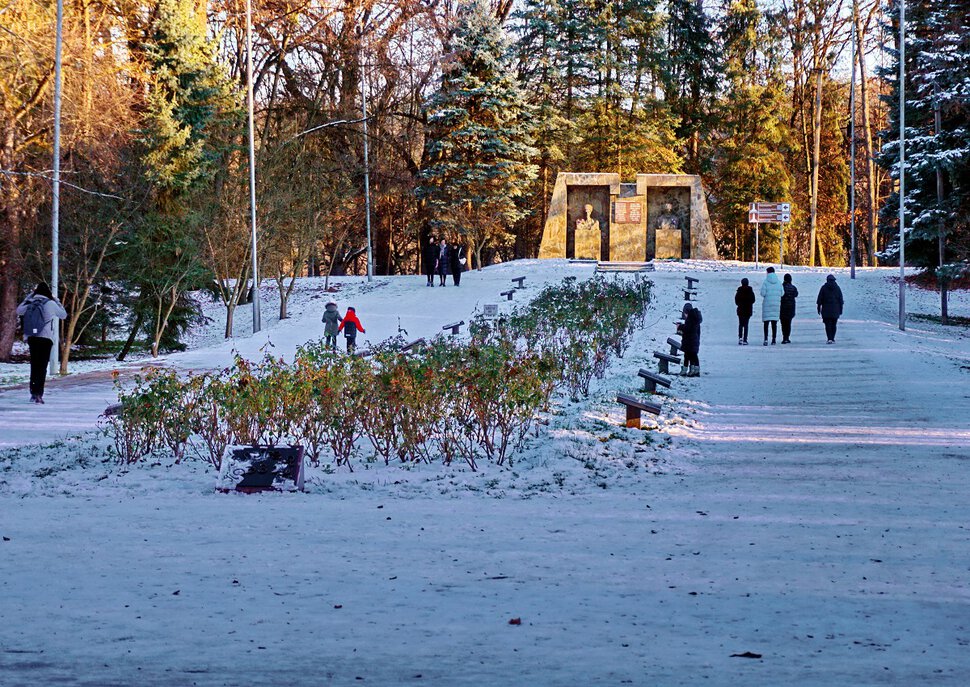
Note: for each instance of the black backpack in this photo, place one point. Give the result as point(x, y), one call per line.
point(35, 321)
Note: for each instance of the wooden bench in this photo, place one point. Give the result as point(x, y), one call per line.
point(624, 266)
point(112, 410)
point(363, 352)
point(415, 345)
point(664, 360)
point(508, 294)
point(691, 282)
point(454, 327)
point(651, 380)
point(518, 282)
point(634, 407)
point(675, 346)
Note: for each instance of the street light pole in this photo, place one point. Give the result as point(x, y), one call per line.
point(855, 11)
point(257, 323)
point(363, 100)
point(902, 164)
point(56, 197)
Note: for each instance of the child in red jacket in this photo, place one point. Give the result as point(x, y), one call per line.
point(350, 326)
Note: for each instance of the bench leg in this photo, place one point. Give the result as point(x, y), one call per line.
point(662, 364)
point(633, 417)
point(649, 386)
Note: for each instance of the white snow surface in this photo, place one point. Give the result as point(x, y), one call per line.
point(808, 503)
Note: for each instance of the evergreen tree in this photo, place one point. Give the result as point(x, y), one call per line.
point(186, 129)
point(937, 161)
point(748, 163)
point(690, 75)
point(479, 136)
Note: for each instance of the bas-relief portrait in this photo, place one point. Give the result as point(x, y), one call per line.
point(587, 222)
point(668, 222)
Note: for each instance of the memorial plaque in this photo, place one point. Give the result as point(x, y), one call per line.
point(627, 212)
point(251, 469)
point(490, 310)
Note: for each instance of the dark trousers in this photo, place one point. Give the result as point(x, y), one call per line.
point(830, 325)
point(691, 359)
point(351, 343)
point(786, 328)
point(743, 327)
point(774, 329)
point(456, 275)
point(431, 278)
point(40, 356)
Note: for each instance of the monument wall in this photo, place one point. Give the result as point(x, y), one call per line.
point(594, 216)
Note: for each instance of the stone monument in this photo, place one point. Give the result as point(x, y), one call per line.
point(596, 216)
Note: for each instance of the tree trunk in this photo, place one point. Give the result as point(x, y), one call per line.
point(10, 263)
point(816, 160)
point(872, 229)
point(139, 318)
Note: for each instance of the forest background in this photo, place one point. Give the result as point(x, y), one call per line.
point(473, 108)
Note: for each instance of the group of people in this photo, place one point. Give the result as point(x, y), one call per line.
point(333, 324)
point(778, 303)
point(443, 259)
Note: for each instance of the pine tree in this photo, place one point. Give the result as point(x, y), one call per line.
point(690, 75)
point(186, 129)
point(748, 163)
point(479, 140)
point(937, 161)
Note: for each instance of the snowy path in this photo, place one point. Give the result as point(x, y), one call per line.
point(822, 521)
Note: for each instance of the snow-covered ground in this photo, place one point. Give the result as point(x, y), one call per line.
point(807, 503)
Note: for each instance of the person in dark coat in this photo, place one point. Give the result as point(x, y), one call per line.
point(40, 311)
point(829, 304)
point(444, 261)
point(457, 262)
point(331, 322)
point(744, 299)
point(429, 260)
point(350, 326)
point(690, 341)
point(787, 311)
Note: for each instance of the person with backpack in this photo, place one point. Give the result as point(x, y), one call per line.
point(690, 341)
point(787, 312)
point(350, 326)
point(331, 322)
point(829, 304)
point(744, 299)
point(40, 311)
point(771, 292)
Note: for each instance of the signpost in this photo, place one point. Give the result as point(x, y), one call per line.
point(765, 213)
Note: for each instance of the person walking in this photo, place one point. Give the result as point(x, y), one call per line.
point(787, 312)
point(744, 299)
point(40, 311)
point(771, 292)
point(429, 260)
point(829, 304)
point(457, 263)
point(690, 341)
point(444, 261)
point(350, 326)
point(331, 322)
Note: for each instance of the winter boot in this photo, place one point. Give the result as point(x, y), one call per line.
point(740, 342)
point(684, 370)
point(695, 371)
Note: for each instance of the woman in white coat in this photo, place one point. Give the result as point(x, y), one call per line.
point(771, 293)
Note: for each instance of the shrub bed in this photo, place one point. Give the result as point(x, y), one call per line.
point(453, 401)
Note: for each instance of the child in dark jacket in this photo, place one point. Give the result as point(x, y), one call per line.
point(350, 326)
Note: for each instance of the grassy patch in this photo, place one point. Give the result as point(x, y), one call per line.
point(953, 320)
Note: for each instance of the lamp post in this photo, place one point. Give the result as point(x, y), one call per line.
point(56, 197)
point(852, 249)
point(257, 323)
point(902, 164)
